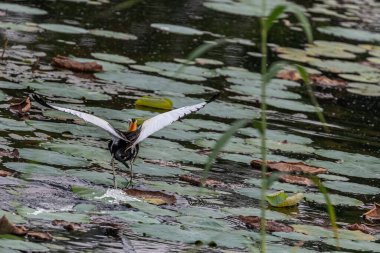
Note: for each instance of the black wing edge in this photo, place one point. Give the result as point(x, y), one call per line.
point(214, 97)
point(40, 100)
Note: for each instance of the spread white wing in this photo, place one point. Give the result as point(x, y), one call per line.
point(85, 116)
point(160, 121)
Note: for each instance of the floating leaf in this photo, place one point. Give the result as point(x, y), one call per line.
point(291, 179)
point(290, 167)
point(153, 197)
point(22, 27)
point(21, 107)
point(63, 28)
point(364, 89)
point(25, 246)
point(67, 63)
point(352, 187)
point(336, 200)
point(6, 227)
point(373, 215)
point(363, 228)
point(352, 34)
point(112, 35)
point(50, 157)
point(113, 58)
point(281, 199)
point(155, 102)
point(22, 9)
point(176, 29)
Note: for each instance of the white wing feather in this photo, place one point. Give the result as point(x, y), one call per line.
point(160, 121)
point(91, 119)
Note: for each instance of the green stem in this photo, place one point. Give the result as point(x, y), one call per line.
point(263, 134)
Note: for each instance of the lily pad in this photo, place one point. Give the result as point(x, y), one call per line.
point(364, 89)
point(336, 66)
point(63, 28)
point(359, 246)
point(112, 35)
point(33, 169)
point(9, 245)
point(352, 187)
point(177, 29)
point(155, 102)
point(133, 216)
point(182, 190)
point(14, 125)
point(352, 34)
point(98, 177)
point(50, 215)
point(366, 77)
point(113, 58)
point(281, 199)
point(22, 9)
point(337, 200)
point(68, 91)
point(50, 157)
point(107, 66)
point(22, 27)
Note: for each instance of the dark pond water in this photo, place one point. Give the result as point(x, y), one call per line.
point(63, 169)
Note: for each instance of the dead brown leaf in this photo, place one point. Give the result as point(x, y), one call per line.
point(21, 107)
point(319, 80)
point(67, 63)
point(9, 153)
point(4, 173)
point(153, 197)
point(69, 226)
point(290, 167)
point(6, 227)
point(197, 181)
point(373, 215)
point(40, 236)
point(364, 228)
point(253, 222)
point(291, 179)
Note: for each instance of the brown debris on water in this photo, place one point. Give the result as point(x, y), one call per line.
point(152, 197)
point(6, 227)
point(193, 180)
point(364, 228)
point(290, 167)
point(299, 180)
point(373, 215)
point(69, 226)
point(9, 153)
point(4, 173)
point(315, 79)
point(67, 63)
point(253, 222)
point(40, 236)
point(22, 107)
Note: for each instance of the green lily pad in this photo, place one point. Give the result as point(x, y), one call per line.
point(327, 233)
point(51, 157)
point(295, 236)
point(22, 27)
point(183, 190)
point(14, 125)
point(12, 217)
point(112, 35)
point(113, 58)
point(69, 91)
point(281, 199)
point(33, 169)
point(152, 83)
point(156, 170)
point(352, 187)
point(359, 246)
point(177, 29)
point(364, 89)
point(9, 85)
point(204, 212)
point(63, 28)
point(278, 186)
point(153, 210)
point(336, 66)
point(337, 200)
point(190, 70)
point(133, 216)
point(9, 245)
point(22, 9)
point(252, 211)
point(332, 177)
point(98, 177)
point(352, 34)
point(366, 77)
point(207, 124)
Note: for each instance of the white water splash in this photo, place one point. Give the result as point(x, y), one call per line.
point(117, 196)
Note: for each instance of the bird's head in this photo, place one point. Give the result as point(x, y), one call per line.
point(132, 125)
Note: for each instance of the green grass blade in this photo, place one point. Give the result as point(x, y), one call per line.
point(298, 12)
point(306, 80)
point(330, 207)
point(223, 140)
point(273, 70)
point(274, 15)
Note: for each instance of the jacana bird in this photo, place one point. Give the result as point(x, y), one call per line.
point(124, 146)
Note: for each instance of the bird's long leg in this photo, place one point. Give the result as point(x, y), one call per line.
point(114, 172)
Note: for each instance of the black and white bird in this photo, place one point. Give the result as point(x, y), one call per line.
point(124, 146)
